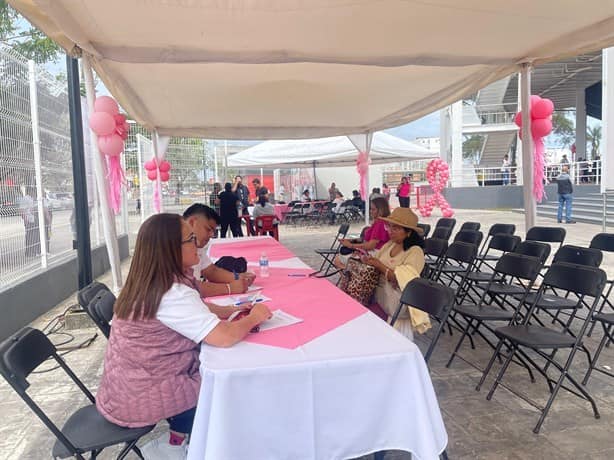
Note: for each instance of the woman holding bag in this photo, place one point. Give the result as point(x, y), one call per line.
point(398, 262)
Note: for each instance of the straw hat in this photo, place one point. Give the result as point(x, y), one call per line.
point(404, 217)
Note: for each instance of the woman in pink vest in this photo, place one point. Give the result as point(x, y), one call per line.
point(151, 367)
point(403, 192)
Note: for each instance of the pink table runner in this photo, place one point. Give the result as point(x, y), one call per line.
point(251, 249)
point(319, 303)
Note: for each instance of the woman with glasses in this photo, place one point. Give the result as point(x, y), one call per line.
point(151, 367)
point(399, 261)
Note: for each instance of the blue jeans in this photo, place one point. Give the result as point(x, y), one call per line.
point(565, 199)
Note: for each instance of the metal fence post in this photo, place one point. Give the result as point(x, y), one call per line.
point(605, 211)
point(36, 144)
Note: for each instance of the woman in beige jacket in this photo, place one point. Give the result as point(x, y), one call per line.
point(399, 261)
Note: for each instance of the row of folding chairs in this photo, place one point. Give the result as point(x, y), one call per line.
point(499, 298)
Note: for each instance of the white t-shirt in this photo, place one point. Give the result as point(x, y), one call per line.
point(182, 310)
point(204, 262)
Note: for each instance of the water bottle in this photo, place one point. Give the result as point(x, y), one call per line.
point(264, 265)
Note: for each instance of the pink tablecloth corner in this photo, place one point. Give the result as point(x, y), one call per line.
point(252, 249)
point(280, 210)
point(302, 297)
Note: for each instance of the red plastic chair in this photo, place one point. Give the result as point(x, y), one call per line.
point(264, 225)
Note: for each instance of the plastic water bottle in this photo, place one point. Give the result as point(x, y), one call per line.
point(264, 265)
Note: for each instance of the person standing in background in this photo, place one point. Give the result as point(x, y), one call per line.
point(243, 193)
point(505, 170)
point(332, 192)
point(229, 217)
point(404, 192)
point(386, 191)
point(29, 216)
point(565, 192)
point(281, 192)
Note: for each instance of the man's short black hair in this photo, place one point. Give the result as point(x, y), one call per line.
point(199, 209)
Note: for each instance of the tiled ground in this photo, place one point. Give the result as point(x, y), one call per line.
point(496, 429)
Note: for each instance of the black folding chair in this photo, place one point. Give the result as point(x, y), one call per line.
point(329, 254)
point(434, 252)
point(89, 292)
point(456, 263)
point(496, 229)
point(442, 233)
point(475, 226)
point(585, 283)
point(431, 298)
point(100, 310)
point(603, 242)
point(85, 430)
point(447, 222)
point(469, 236)
point(426, 229)
point(513, 274)
point(547, 235)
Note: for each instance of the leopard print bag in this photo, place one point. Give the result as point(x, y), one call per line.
point(359, 280)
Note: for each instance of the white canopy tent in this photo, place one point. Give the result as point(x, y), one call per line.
point(263, 69)
point(329, 151)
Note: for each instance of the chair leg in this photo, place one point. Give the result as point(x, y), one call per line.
point(444, 455)
point(504, 367)
point(129, 446)
point(489, 366)
point(606, 337)
point(460, 342)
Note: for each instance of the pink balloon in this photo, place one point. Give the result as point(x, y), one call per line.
point(165, 167)
point(152, 175)
point(164, 176)
point(106, 104)
point(150, 165)
point(111, 145)
point(518, 119)
point(541, 127)
point(120, 119)
point(542, 109)
point(102, 123)
point(534, 99)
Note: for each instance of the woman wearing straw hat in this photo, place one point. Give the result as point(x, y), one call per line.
point(399, 261)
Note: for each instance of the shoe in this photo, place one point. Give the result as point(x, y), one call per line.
point(161, 449)
point(571, 222)
point(560, 221)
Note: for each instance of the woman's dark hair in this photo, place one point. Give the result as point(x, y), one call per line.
point(262, 200)
point(413, 239)
point(228, 186)
point(156, 265)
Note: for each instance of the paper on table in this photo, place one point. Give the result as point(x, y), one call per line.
point(253, 287)
point(279, 319)
point(233, 300)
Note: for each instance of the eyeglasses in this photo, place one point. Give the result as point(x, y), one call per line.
point(191, 239)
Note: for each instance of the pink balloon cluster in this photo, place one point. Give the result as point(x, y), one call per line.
point(541, 117)
point(541, 125)
point(110, 126)
point(152, 168)
point(437, 173)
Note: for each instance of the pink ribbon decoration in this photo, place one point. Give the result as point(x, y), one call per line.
point(437, 174)
point(116, 179)
point(538, 169)
point(362, 166)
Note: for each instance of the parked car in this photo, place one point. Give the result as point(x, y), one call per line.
point(59, 200)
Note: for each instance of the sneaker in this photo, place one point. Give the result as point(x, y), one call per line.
point(571, 221)
point(560, 221)
point(161, 449)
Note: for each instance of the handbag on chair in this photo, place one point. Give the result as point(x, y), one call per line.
point(359, 280)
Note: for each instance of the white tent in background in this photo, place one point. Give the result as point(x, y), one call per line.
point(329, 151)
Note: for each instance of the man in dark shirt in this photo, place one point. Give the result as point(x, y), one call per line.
point(229, 216)
point(243, 193)
point(565, 192)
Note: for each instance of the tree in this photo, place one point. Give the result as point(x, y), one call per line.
point(472, 147)
point(563, 128)
point(593, 137)
point(28, 41)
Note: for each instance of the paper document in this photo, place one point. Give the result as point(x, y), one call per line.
point(279, 319)
point(253, 287)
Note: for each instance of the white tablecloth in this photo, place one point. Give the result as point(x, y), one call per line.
point(360, 388)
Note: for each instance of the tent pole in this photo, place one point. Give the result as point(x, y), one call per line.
point(84, 250)
point(100, 171)
point(530, 209)
point(315, 181)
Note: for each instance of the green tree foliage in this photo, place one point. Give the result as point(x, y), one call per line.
point(18, 34)
point(472, 147)
point(563, 128)
point(593, 137)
